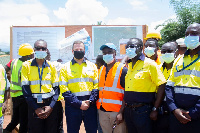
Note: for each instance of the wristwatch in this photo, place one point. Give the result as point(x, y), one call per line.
point(154, 109)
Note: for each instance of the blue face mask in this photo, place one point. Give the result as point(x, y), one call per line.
point(192, 42)
point(108, 58)
point(149, 51)
point(131, 52)
point(168, 57)
point(40, 54)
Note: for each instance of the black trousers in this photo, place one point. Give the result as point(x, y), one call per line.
point(60, 117)
point(20, 115)
point(161, 125)
point(48, 125)
point(176, 127)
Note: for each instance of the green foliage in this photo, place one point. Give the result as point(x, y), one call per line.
point(7, 52)
point(187, 12)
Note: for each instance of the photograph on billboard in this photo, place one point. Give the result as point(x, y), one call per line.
point(119, 35)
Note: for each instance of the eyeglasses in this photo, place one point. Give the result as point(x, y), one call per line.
point(133, 46)
point(38, 48)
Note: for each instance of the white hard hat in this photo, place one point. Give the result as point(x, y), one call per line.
point(180, 42)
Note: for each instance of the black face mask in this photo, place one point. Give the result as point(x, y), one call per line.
point(79, 54)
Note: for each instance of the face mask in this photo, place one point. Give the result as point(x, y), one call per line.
point(168, 57)
point(108, 58)
point(192, 42)
point(130, 52)
point(149, 51)
point(79, 54)
point(40, 54)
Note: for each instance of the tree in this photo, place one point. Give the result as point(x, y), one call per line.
point(187, 12)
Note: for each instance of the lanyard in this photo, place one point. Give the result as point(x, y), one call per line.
point(184, 67)
point(40, 76)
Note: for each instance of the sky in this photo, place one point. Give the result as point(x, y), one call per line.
point(80, 12)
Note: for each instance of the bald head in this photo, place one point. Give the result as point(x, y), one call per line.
point(169, 47)
point(193, 30)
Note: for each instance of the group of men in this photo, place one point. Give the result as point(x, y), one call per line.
point(126, 97)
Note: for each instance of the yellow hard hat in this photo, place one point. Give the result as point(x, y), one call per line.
point(153, 35)
point(25, 49)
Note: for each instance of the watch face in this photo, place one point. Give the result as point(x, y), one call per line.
point(154, 109)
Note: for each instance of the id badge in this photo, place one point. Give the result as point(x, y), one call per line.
point(39, 99)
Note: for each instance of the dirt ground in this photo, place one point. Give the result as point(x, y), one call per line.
point(7, 119)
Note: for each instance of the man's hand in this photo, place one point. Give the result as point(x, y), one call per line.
point(87, 102)
point(182, 116)
point(84, 106)
point(119, 118)
point(154, 115)
point(4, 107)
point(40, 113)
point(47, 111)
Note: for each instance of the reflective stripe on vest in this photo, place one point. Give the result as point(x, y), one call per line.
point(112, 89)
point(25, 83)
point(37, 82)
point(80, 80)
point(43, 82)
point(111, 101)
point(170, 83)
point(83, 93)
point(187, 72)
point(63, 83)
point(44, 95)
point(187, 90)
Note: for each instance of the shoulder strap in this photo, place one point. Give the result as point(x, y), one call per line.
point(101, 69)
point(117, 75)
point(12, 63)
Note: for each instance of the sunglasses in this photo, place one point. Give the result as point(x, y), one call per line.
point(38, 48)
point(133, 46)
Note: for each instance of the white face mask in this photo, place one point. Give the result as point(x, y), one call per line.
point(168, 57)
point(40, 54)
point(131, 52)
point(149, 51)
point(192, 42)
point(108, 58)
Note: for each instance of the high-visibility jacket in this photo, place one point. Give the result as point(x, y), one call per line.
point(15, 86)
point(3, 86)
point(80, 80)
point(110, 91)
point(30, 76)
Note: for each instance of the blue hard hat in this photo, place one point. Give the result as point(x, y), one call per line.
point(109, 45)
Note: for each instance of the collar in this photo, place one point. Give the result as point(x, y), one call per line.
point(34, 63)
point(187, 53)
point(142, 57)
point(106, 64)
point(73, 61)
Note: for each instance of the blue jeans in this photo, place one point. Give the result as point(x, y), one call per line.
point(75, 116)
point(138, 119)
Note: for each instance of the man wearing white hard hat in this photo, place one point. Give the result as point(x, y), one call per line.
point(181, 46)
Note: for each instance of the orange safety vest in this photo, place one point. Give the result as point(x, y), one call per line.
point(111, 93)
